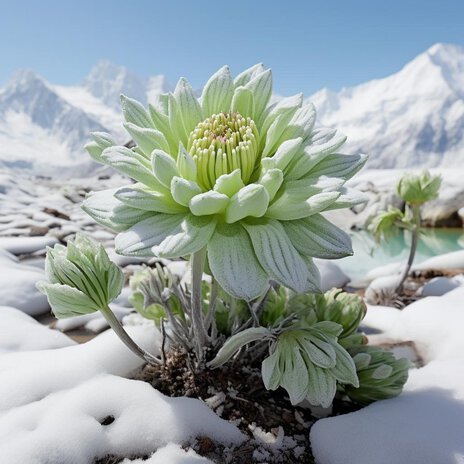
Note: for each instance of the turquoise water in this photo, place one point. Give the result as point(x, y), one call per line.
point(368, 254)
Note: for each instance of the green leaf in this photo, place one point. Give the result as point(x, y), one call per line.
point(276, 253)
point(337, 165)
point(234, 343)
point(66, 301)
point(189, 236)
point(101, 140)
point(164, 167)
point(143, 236)
point(270, 371)
point(316, 236)
point(234, 264)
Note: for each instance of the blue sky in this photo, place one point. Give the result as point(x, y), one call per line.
point(309, 44)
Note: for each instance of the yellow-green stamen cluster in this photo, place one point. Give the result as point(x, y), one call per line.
point(221, 144)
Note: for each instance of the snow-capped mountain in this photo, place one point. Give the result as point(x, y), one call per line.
point(43, 127)
point(412, 118)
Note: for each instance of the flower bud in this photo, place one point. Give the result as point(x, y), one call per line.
point(381, 375)
point(418, 189)
point(81, 278)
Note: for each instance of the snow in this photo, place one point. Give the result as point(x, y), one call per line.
point(416, 112)
point(17, 287)
point(424, 424)
point(453, 260)
point(54, 396)
point(20, 332)
point(171, 454)
point(23, 245)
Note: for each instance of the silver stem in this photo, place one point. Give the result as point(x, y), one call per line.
point(199, 331)
point(126, 339)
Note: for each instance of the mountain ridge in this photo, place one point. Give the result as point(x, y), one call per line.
point(414, 117)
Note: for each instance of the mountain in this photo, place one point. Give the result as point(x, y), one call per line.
point(412, 118)
point(43, 127)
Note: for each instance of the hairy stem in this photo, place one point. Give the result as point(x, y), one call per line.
point(416, 219)
point(126, 339)
point(199, 331)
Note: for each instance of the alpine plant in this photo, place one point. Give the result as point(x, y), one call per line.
point(230, 176)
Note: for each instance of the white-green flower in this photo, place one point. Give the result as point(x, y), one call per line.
point(234, 174)
point(81, 278)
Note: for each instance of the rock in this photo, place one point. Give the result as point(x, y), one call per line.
point(54, 212)
point(331, 275)
point(37, 231)
point(438, 286)
point(444, 211)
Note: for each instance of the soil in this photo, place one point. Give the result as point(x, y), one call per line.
point(278, 432)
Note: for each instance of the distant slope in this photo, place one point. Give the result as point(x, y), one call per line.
point(412, 118)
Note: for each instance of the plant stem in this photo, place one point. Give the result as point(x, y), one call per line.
point(126, 339)
point(199, 331)
point(416, 220)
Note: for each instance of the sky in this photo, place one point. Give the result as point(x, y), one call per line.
point(308, 44)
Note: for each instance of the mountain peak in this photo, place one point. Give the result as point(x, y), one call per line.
point(107, 81)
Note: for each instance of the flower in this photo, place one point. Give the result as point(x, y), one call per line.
point(232, 173)
point(387, 223)
point(381, 375)
point(81, 278)
point(419, 188)
point(308, 363)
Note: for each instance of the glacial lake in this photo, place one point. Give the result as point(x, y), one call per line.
point(368, 254)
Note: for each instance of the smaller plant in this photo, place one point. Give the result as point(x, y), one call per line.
point(381, 375)
point(83, 280)
point(415, 190)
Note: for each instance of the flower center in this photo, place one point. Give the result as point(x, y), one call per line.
point(221, 144)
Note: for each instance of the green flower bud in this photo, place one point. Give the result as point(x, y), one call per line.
point(381, 375)
point(346, 309)
point(81, 278)
point(418, 189)
point(308, 363)
point(221, 144)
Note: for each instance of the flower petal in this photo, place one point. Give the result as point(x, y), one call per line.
point(336, 165)
point(130, 163)
point(229, 184)
point(318, 237)
point(218, 91)
point(140, 238)
point(210, 202)
point(261, 86)
point(140, 197)
point(234, 264)
point(290, 206)
point(183, 190)
point(187, 105)
point(164, 167)
point(135, 113)
point(245, 76)
point(251, 200)
point(243, 102)
point(348, 198)
point(147, 139)
point(101, 140)
point(276, 253)
point(108, 211)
